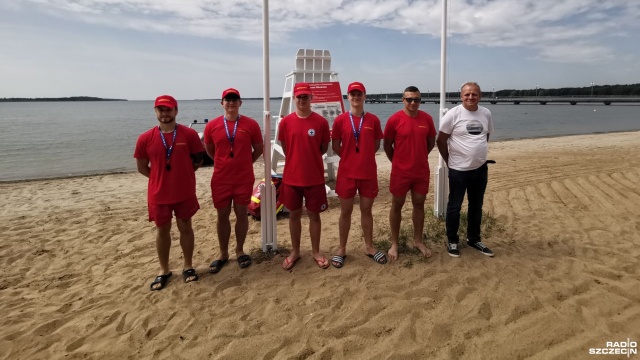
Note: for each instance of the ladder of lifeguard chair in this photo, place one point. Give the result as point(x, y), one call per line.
point(311, 66)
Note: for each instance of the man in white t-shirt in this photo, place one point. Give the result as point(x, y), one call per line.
point(463, 143)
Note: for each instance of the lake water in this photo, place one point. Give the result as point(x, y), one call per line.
point(55, 139)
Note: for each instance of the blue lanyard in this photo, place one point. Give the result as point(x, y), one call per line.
point(231, 138)
point(356, 134)
point(169, 149)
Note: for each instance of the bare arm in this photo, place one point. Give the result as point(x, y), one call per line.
point(258, 149)
point(443, 147)
point(376, 146)
point(323, 148)
point(336, 146)
point(210, 148)
point(284, 147)
point(197, 160)
point(431, 142)
point(143, 167)
point(388, 148)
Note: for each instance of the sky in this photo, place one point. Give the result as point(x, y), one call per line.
point(194, 49)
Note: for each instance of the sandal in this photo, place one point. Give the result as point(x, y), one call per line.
point(244, 261)
point(217, 265)
point(338, 261)
point(190, 274)
point(378, 257)
point(162, 280)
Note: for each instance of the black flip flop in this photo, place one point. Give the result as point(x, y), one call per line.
point(217, 265)
point(338, 261)
point(244, 261)
point(162, 280)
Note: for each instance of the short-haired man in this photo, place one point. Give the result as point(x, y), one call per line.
point(234, 142)
point(169, 154)
point(463, 142)
point(409, 137)
point(304, 137)
point(356, 137)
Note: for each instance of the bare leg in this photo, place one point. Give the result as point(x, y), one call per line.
point(163, 247)
point(417, 216)
point(315, 227)
point(224, 231)
point(187, 242)
point(295, 230)
point(366, 221)
point(344, 224)
point(395, 218)
point(242, 227)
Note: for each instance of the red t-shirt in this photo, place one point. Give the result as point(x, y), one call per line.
point(239, 168)
point(303, 136)
point(409, 134)
point(361, 164)
point(178, 184)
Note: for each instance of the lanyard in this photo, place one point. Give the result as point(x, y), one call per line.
point(356, 134)
point(169, 149)
point(231, 138)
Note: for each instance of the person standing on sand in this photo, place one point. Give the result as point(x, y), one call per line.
point(304, 137)
point(463, 142)
point(234, 142)
point(356, 138)
point(409, 137)
point(169, 155)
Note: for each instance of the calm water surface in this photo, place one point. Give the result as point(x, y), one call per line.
point(53, 139)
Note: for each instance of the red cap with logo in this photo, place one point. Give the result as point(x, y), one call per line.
point(166, 100)
point(356, 86)
point(301, 89)
point(230, 91)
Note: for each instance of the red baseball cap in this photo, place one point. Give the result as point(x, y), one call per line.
point(301, 89)
point(356, 86)
point(166, 100)
point(230, 91)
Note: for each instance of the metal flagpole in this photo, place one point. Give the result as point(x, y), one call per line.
point(442, 181)
point(268, 193)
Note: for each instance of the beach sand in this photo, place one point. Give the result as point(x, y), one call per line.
point(77, 256)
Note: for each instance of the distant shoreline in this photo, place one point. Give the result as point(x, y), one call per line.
point(71, 98)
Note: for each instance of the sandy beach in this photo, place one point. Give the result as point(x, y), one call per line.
point(77, 256)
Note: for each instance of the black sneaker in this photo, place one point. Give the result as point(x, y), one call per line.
point(480, 247)
point(452, 249)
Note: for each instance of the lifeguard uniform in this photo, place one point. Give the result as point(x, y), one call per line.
point(410, 164)
point(233, 176)
point(174, 186)
point(357, 170)
point(304, 168)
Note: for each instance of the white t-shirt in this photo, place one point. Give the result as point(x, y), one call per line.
point(468, 143)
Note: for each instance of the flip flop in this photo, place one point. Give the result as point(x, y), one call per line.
point(217, 265)
point(338, 261)
point(244, 261)
point(322, 263)
point(162, 280)
point(190, 273)
point(378, 257)
point(288, 265)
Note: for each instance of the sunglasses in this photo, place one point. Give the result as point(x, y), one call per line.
point(412, 100)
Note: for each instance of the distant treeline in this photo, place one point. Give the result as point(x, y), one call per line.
point(72, 98)
point(595, 90)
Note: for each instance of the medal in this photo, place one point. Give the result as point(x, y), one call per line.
point(356, 133)
point(169, 149)
point(231, 137)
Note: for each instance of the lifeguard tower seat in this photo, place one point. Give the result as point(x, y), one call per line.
point(311, 66)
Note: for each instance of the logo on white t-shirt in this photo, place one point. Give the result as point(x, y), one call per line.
point(311, 132)
point(474, 127)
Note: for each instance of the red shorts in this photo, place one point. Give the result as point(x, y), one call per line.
point(346, 188)
point(399, 186)
point(315, 197)
point(163, 213)
point(222, 194)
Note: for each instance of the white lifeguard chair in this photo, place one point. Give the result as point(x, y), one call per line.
point(312, 66)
